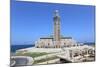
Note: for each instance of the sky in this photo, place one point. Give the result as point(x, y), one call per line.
point(32, 20)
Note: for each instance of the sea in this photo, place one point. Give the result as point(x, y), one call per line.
point(17, 47)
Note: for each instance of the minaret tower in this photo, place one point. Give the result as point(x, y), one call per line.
point(56, 28)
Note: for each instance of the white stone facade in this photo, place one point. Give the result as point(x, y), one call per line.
point(49, 43)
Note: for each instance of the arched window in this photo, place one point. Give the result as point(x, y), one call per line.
point(37, 46)
point(48, 44)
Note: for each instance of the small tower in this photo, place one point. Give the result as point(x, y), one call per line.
point(56, 19)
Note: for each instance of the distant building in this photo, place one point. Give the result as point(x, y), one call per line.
point(48, 42)
point(56, 41)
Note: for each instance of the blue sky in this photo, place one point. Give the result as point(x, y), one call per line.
point(32, 20)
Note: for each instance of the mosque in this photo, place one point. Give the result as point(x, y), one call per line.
point(55, 41)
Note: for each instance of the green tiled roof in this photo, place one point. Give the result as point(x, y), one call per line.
point(52, 38)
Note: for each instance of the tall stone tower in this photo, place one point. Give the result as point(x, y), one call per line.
point(56, 19)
